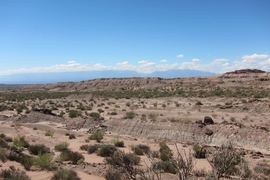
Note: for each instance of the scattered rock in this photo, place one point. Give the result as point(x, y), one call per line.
point(208, 120)
point(208, 132)
point(201, 126)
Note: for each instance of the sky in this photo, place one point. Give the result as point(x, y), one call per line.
point(142, 35)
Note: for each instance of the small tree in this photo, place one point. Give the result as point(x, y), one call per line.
point(126, 163)
point(184, 164)
point(222, 159)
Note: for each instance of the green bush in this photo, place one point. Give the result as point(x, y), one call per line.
point(165, 151)
point(27, 162)
point(65, 174)
point(94, 115)
point(38, 148)
point(84, 147)
point(63, 146)
point(13, 174)
point(107, 150)
point(119, 144)
point(93, 148)
point(43, 160)
point(49, 133)
point(141, 149)
point(19, 141)
point(98, 136)
point(199, 151)
point(129, 115)
point(165, 166)
point(120, 158)
point(74, 113)
point(69, 155)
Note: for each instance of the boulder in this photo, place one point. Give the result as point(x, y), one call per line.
point(208, 120)
point(208, 132)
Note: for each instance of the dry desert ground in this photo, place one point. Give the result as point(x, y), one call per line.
point(138, 128)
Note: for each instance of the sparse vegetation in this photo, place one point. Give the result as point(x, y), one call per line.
point(65, 174)
point(49, 133)
point(38, 149)
point(74, 113)
point(19, 141)
point(129, 115)
point(63, 146)
point(72, 156)
point(13, 174)
point(98, 136)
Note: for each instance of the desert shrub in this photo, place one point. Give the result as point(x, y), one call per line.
point(100, 110)
point(165, 151)
point(141, 149)
point(120, 158)
point(19, 141)
point(65, 174)
point(223, 160)
point(63, 146)
point(153, 116)
point(3, 143)
point(72, 156)
point(3, 155)
point(262, 169)
point(38, 148)
point(153, 154)
point(13, 174)
point(200, 172)
point(107, 150)
point(199, 103)
point(129, 115)
point(118, 143)
point(27, 162)
point(165, 166)
point(84, 147)
point(143, 117)
point(74, 113)
point(6, 138)
point(98, 136)
point(128, 104)
point(173, 120)
point(113, 174)
point(200, 152)
point(49, 133)
point(81, 107)
point(93, 148)
point(94, 115)
point(43, 160)
point(14, 155)
point(113, 113)
point(125, 163)
point(72, 136)
point(35, 128)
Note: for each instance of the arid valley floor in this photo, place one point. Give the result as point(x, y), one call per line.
point(188, 117)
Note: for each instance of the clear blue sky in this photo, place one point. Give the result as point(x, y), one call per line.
point(141, 35)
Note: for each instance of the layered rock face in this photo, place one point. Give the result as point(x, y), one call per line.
point(192, 133)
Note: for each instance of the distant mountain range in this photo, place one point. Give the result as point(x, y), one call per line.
point(45, 78)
